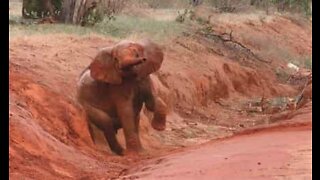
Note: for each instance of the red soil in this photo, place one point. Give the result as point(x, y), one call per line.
point(285, 152)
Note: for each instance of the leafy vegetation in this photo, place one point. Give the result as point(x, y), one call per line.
point(282, 75)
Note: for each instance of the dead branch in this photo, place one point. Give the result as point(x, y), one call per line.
point(301, 95)
point(231, 40)
point(202, 40)
point(183, 45)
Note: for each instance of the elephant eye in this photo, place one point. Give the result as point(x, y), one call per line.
point(116, 59)
point(137, 55)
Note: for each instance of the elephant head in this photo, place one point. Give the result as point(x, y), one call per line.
point(126, 59)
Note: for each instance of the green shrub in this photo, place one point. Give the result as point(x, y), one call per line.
point(181, 17)
point(282, 75)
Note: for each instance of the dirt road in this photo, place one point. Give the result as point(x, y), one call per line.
point(279, 154)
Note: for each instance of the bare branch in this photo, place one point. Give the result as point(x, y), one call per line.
point(231, 40)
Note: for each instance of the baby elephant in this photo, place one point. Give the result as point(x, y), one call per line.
point(113, 88)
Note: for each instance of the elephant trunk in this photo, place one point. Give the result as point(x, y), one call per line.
point(129, 64)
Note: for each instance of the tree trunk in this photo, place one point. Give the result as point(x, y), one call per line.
point(67, 11)
point(79, 11)
point(196, 2)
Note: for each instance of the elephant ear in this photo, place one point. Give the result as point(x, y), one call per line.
point(103, 67)
point(154, 58)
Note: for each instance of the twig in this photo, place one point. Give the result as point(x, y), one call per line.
point(183, 45)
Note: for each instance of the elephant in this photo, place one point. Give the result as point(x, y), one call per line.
point(114, 87)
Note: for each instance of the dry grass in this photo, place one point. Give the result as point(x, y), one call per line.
point(15, 8)
point(163, 4)
point(156, 24)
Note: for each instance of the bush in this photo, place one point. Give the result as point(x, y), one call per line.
point(39, 9)
point(181, 17)
point(282, 75)
point(105, 8)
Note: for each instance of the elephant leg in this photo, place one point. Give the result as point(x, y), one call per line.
point(159, 108)
point(91, 132)
point(128, 121)
point(155, 104)
point(137, 122)
point(110, 135)
point(102, 121)
point(116, 126)
point(159, 117)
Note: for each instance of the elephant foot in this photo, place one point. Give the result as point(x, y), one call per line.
point(119, 151)
point(159, 122)
point(140, 152)
point(158, 125)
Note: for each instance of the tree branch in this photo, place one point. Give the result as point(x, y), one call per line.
point(231, 40)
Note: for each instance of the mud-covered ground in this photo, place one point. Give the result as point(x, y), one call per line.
point(209, 85)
